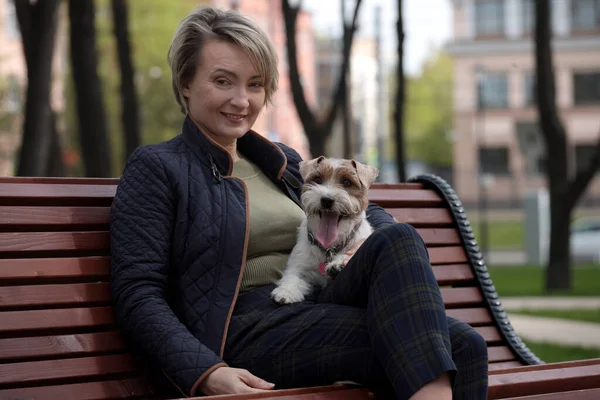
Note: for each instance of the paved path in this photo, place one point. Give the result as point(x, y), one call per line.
point(551, 303)
point(560, 331)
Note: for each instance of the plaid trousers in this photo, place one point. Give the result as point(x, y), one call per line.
point(380, 323)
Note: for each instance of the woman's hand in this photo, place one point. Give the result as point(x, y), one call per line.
point(226, 380)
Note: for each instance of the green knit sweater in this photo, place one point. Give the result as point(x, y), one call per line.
point(274, 222)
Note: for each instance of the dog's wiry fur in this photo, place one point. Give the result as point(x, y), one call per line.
point(337, 190)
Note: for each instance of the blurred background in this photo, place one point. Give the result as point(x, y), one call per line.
point(503, 107)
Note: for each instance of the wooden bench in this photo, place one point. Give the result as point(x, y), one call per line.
point(58, 338)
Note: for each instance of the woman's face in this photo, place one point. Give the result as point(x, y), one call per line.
point(226, 94)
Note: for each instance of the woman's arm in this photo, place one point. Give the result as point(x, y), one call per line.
point(142, 221)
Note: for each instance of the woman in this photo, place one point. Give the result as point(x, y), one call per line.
point(201, 229)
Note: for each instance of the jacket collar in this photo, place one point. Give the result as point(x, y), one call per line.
point(261, 151)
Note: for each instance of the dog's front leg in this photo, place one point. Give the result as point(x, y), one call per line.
point(333, 268)
point(295, 283)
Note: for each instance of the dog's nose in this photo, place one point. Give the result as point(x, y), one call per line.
point(326, 202)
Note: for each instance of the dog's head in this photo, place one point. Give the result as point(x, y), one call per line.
point(334, 195)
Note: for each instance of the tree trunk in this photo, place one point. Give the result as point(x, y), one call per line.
point(565, 190)
point(56, 166)
point(95, 146)
point(317, 131)
point(346, 100)
point(130, 116)
point(38, 23)
point(399, 107)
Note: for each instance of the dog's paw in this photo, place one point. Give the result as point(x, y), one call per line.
point(333, 268)
point(284, 295)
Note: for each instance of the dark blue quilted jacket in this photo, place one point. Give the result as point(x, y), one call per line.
point(179, 232)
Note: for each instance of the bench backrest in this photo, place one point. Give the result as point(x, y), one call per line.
point(56, 323)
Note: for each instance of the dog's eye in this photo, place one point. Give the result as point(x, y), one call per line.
point(317, 179)
point(346, 183)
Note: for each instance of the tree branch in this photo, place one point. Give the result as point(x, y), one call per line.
point(306, 115)
point(584, 176)
point(341, 84)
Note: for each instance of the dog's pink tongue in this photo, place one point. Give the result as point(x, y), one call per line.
point(327, 232)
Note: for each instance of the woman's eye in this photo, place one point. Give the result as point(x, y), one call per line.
point(222, 81)
point(346, 183)
point(256, 85)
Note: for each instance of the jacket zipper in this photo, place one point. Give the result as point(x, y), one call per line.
point(215, 171)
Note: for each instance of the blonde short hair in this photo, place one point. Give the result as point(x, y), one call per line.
point(205, 23)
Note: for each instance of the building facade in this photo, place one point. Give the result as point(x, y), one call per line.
point(496, 124)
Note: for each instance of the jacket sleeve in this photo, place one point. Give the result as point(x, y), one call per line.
point(142, 222)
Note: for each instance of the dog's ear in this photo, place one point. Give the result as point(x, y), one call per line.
point(366, 173)
point(306, 167)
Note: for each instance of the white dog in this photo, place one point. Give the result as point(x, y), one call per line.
point(335, 197)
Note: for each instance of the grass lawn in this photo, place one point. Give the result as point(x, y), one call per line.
point(576, 315)
point(549, 352)
point(529, 281)
point(502, 235)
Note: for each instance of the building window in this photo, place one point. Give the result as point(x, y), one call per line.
point(583, 155)
point(493, 160)
point(489, 17)
point(528, 12)
point(529, 89)
point(585, 14)
point(494, 91)
point(11, 24)
point(586, 88)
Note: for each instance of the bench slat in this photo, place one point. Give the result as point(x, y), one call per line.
point(472, 316)
point(489, 333)
point(116, 389)
point(40, 347)
point(439, 236)
point(81, 294)
point(48, 296)
point(453, 274)
point(52, 215)
point(53, 241)
point(461, 297)
point(502, 365)
point(74, 269)
point(13, 216)
point(43, 270)
point(100, 240)
point(512, 384)
point(555, 365)
point(21, 322)
point(36, 372)
point(499, 353)
point(589, 394)
point(423, 217)
point(332, 392)
point(447, 255)
point(398, 198)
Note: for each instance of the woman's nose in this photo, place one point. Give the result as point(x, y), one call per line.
point(240, 98)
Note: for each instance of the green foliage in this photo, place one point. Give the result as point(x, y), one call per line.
point(550, 352)
point(428, 112)
point(529, 281)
